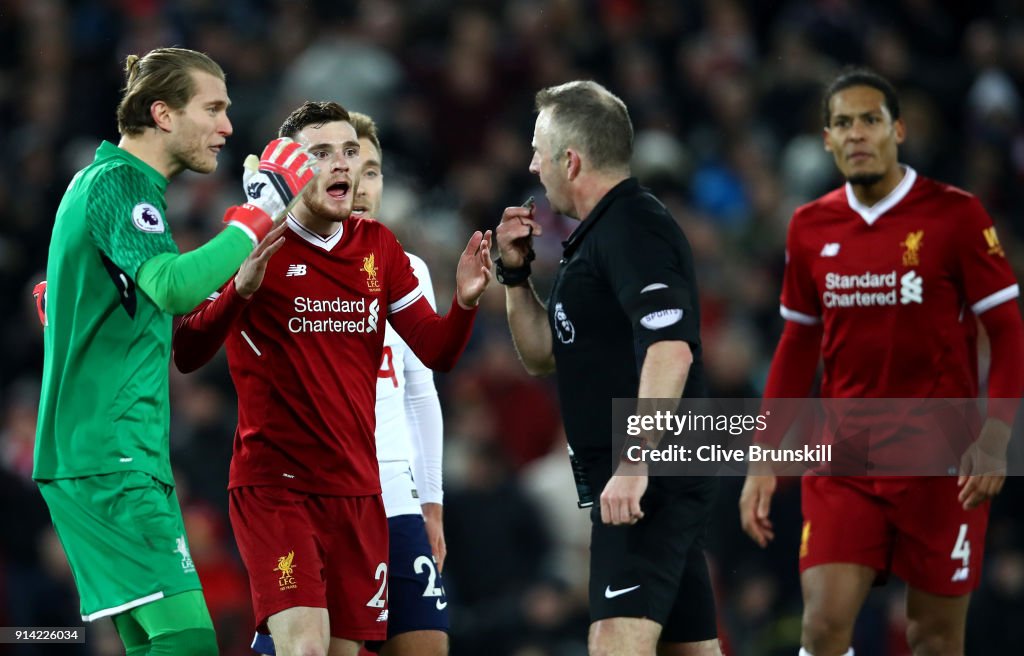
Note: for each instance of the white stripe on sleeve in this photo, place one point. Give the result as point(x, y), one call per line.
point(992, 300)
point(405, 301)
point(798, 317)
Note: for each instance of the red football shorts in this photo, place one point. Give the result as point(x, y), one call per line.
point(320, 551)
point(914, 528)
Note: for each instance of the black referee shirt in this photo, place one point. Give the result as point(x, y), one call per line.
point(625, 281)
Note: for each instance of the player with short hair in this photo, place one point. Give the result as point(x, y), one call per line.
point(912, 334)
point(304, 333)
point(114, 278)
point(409, 447)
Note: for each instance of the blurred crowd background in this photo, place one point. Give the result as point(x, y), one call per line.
point(725, 98)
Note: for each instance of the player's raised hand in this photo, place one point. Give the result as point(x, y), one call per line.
point(273, 183)
point(474, 271)
point(250, 274)
point(983, 465)
point(276, 180)
point(515, 233)
point(756, 503)
point(620, 499)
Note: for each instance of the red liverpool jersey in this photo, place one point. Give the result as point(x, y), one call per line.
point(304, 354)
point(896, 286)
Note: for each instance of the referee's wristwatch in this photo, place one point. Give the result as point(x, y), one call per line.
point(514, 277)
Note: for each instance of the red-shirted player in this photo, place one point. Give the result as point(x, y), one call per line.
point(304, 334)
point(883, 280)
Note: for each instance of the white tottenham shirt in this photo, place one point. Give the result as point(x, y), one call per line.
point(409, 424)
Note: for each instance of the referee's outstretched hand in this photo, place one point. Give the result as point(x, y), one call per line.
point(756, 502)
point(620, 500)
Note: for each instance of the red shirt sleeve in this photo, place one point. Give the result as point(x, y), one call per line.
point(403, 286)
point(800, 302)
point(199, 334)
point(791, 373)
point(989, 285)
point(437, 341)
point(1005, 377)
point(790, 376)
point(984, 271)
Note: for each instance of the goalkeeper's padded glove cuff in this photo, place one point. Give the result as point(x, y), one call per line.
point(252, 220)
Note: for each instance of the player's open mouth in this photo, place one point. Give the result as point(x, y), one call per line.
point(359, 210)
point(338, 190)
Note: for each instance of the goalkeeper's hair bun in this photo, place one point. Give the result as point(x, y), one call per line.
point(131, 68)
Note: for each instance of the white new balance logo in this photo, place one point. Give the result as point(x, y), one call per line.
point(830, 250)
point(295, 270)
point(911, 288)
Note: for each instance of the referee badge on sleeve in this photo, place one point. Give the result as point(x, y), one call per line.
point(563, 325)
point(660, 318)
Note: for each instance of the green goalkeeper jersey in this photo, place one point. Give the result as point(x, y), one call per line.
point(104, 405)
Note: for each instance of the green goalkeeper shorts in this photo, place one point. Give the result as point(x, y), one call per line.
point(124, 538)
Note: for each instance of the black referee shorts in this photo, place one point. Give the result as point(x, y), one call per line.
point(656, 569)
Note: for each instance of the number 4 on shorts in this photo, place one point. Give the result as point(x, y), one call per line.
point(962, 550)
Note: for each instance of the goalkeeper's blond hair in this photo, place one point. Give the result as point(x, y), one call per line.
point(162, 74)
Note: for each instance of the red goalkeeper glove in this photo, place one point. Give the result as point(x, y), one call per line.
point(39, 293)
point(273, 184)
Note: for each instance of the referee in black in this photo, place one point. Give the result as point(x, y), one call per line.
point(622, 321)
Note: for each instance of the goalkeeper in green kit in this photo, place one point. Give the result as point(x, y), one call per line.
point(114, 280)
